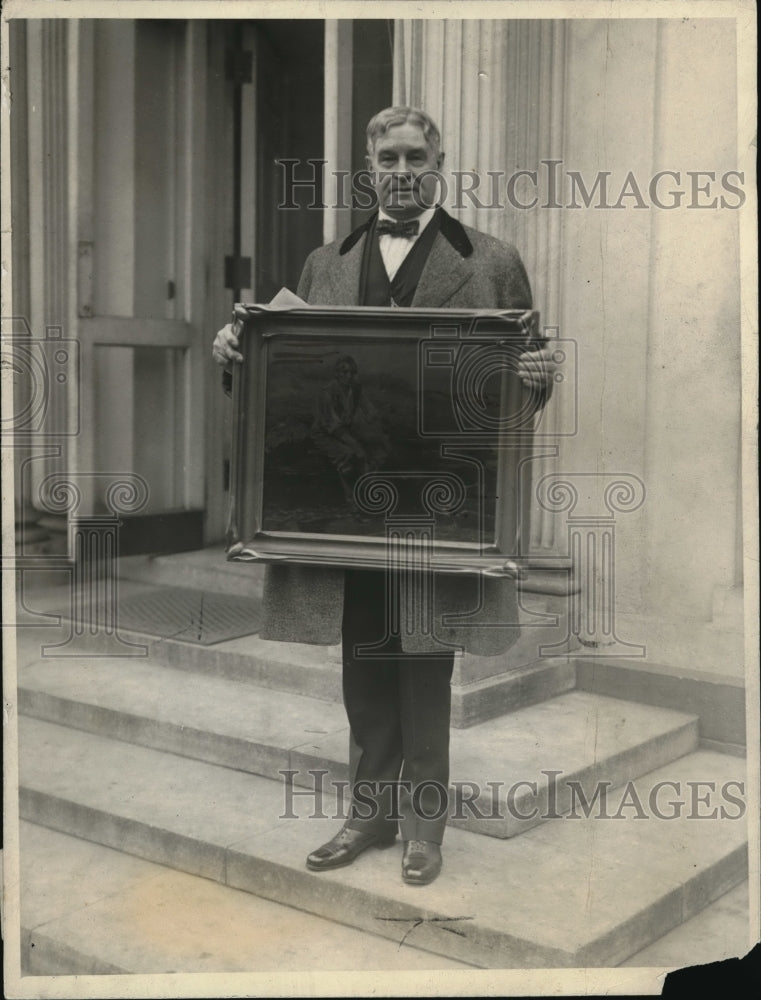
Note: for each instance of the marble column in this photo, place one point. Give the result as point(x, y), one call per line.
point(496, 89)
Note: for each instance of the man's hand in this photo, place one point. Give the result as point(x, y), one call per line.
point(536, 369)
point(225, 349)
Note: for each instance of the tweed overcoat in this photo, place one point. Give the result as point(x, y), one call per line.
point(465, 269)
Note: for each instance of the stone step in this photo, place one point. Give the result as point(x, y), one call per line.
point(88, 910)
point(84, 906)
point(293, 667)
point(202, 569)
point(576, 892)
point(482, 687)
point(577, 737)
point(719, 932)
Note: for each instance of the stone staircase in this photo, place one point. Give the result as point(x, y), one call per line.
point(176, 758)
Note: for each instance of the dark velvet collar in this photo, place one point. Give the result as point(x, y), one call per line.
point(450, 229)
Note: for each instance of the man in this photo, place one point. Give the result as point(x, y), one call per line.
point(410, 253)
point(346, 428)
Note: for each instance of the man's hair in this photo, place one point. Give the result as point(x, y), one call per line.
point(380, 124)
point(348, 360)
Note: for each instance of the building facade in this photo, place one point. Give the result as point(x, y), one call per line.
point(147, 185)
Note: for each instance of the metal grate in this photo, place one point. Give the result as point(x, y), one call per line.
point(197, 616)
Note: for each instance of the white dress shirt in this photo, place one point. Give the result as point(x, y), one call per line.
point(395, 248)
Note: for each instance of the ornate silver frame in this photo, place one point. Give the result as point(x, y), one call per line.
point(490, 341)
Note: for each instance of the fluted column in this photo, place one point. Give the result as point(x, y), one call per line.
point(52, 87)
point(496, 89)
point(339, 50)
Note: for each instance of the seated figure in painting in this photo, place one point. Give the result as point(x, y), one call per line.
point(347, 428)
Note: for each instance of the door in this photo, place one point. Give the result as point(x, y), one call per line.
point(265, 104)
point(140, 273)
point(109, 156)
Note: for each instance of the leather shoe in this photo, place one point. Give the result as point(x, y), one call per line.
point(421, 862)
point(346, 847)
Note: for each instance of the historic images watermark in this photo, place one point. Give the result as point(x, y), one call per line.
point(306, 183)
point(551, 796)
point(44, 376)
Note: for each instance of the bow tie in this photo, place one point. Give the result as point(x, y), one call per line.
point(387, 228)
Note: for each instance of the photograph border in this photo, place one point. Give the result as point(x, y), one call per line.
point(495, 982)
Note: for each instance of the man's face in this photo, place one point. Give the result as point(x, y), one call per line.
point(344, 375)
point(404, 165)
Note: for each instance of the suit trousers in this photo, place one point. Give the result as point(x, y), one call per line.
point(398, 706)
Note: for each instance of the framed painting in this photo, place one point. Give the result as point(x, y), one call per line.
point(364, 436)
